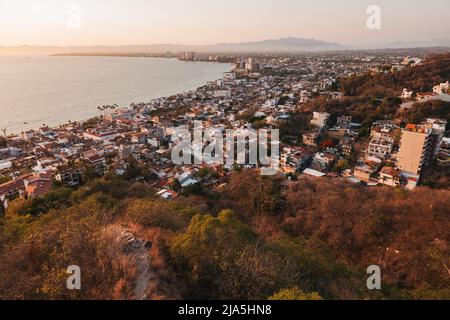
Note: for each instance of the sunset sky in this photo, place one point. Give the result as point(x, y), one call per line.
point(114, 22)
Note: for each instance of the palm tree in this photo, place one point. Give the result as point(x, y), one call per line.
point(6, 139)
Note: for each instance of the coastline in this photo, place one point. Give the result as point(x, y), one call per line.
point(212, 58)
point(85, 114)
point(118, 55)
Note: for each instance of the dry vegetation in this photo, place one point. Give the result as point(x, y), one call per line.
point(259, 238)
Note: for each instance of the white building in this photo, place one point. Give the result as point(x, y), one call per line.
point(381, 148)
point(441, 88)
point(320, 119)
point(406, 94)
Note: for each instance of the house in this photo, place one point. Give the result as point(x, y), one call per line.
point(390, 176)
point(38, 185)
point(28, 134)
point(364, 173)
point(322, 161)
point(406, 94)
point(337, 95)
point(69, 176)
point(33, 185)
point(344, 122)
point(12, 189)
point(167, 194)
point(346, 146)
point(100, 136)
point(441, 88)
point(320, 119)
point(413, 61)
point(96, 162)
point(381, 147)
point(443, 156)
point(313, 173)
point(382, 128)
point(139, 138)
point(188, 183)
point(311, 138)
point(424, 95)
point(5, 164)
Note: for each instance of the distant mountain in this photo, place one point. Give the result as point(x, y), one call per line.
point(419, 44)
point(289, 44)
point(274, 45)
point(432, 43)
point(280, 45)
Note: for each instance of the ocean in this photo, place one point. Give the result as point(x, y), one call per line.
point(52, 90)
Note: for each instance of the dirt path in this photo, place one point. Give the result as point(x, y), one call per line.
point(144, 273)
point(138, 250)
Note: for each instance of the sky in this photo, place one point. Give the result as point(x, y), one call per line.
point(131, 22)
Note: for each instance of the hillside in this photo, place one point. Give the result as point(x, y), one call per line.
point(252, 239)
point(422, 78)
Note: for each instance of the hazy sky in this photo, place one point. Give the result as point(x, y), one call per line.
point(44, 22)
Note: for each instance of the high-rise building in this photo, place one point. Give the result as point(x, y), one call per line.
point(187, 56)
point(251, 65)
point(415, 149)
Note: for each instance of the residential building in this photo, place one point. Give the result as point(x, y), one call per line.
point(363, 173)
point(69, 176)
point(38, 185)
point(311, 138)
point(12, 189)
point(441, 88)
point(390, 176)
point(320, 119)
point(344, 122)
point(443, 156)
point(438, 129)
point(424, 95)
point(381, 148)
point(407, 94)
point(415, 149)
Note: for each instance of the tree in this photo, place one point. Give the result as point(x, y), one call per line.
point(295, 294)
point(4, 179)
point(208, 245)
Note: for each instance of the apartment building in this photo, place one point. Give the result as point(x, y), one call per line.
point(415, 149)
point(438, 129)
point(443, 156)
point(380, 148)
point(383, 139)
point(320, 119)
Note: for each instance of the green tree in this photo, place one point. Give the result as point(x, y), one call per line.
point(295, 294)
point(207, 245)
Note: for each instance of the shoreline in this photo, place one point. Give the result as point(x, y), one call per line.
point(168, 55)
point(70, 121)
point(115, 55)
point(122, 106)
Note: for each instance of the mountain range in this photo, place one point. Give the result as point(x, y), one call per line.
point(289, 44)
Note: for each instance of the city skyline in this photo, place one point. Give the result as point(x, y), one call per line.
point(199, 22)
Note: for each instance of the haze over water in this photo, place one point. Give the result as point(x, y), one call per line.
point(47, 90)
